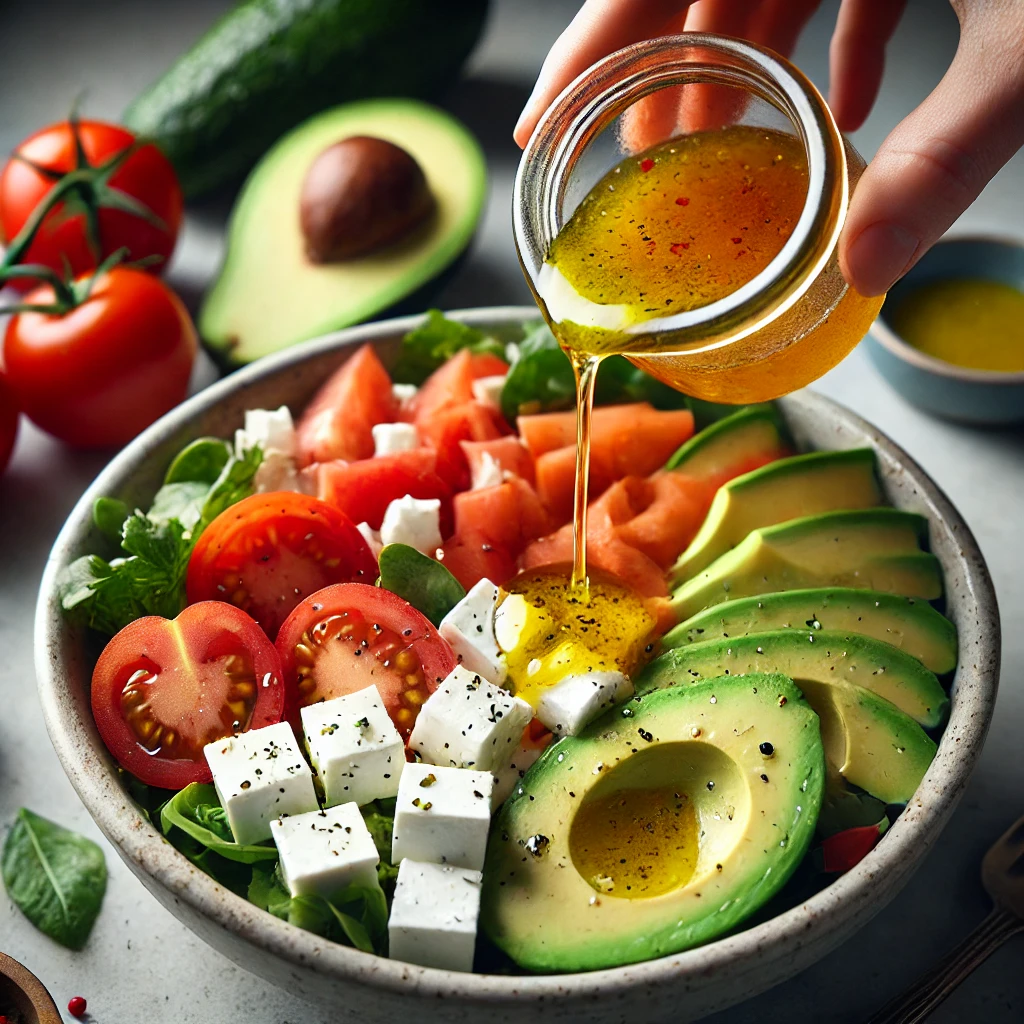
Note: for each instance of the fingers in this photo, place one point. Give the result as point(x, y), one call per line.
point(857, 57)
point(937, 161)
point(777, 24)
point(601, 27)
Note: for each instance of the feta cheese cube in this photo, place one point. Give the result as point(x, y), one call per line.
point(403, 393)
point(276, 473)
point(354, 746)
point(322, 852)
point(434, 916)
point(389, 438)
point(413, 521)
point(271, 429)
point(570, 704)
point(487, 472)
point(508, 778)
point(442, 816)
point(372, 538)
point(487, 390)
point(510, 621)
point(260, 775)
point(468, 723)
point(469, 628)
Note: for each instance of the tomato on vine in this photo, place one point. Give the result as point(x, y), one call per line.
point(76, 192)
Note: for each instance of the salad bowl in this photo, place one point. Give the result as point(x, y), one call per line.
point(361, 986)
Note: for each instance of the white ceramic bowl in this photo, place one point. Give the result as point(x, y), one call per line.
point(362, 987)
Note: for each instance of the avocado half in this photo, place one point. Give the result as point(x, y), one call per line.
point(269, 295)
point(745, 753)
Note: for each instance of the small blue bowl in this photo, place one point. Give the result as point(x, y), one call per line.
point(983, 397)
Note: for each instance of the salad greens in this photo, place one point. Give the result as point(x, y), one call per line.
point(56, 877)
point(148, 577)
point(434, 343)
point(422, 581)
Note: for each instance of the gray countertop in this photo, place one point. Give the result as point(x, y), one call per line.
point(140, 962)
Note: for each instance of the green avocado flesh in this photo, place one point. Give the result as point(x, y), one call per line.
point(269, 295)
point(905, 622)
point(817, 656)
point(743, 763)
point(803, 485)
point(747, 436)
point(874, 549)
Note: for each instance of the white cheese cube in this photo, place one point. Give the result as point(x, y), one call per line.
point(354, 746)
point(276, 473)
point(468, 723)
point(434, 916)
point(322, 852)
point(413, 521)
point(469, 628)
point(508, 778)
point(403, 393)
point(487, 473)
point(372, 538)
point(271, 429)
point(487, 390)
point(570, 704)
point(510, 620)
point(259, 776)
point(389, 438)
point(442, 816)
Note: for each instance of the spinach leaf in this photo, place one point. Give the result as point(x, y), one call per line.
point(201, 461)
point(422, 581)
point(109, 515)
point(379, 816)
point(182, 501)
point(232, 485)
point(435, 341)
point(197, 812)
point(56, 877)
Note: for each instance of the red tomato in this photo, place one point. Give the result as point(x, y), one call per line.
point(269, 551)
point(452, 383)
point(471, 558)
point(449, 428)
point(164, 688)
point(145, 177)
point(845, 850)
point(8, 421)
point(347, 637)
point(507, 516)
point(338, 422)
point(508, 452)
point(364, 489)
point(107, 369)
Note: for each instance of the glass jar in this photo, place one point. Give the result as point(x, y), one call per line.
point(788, 324)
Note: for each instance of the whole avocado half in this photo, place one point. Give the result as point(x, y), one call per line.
point(270, 64)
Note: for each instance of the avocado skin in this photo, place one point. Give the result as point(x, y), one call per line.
point(270, 64)
point(539, 910)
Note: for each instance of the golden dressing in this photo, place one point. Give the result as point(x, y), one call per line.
point(635, 843)
point(967, 322)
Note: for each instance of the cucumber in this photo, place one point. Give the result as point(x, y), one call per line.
point(270, 64)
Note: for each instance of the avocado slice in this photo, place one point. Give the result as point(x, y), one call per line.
point(269, 295)
point(744, 439)
point(845, 807)
point(802, 485)
point(818, 656)
point(869, 741)
point(877, 548)
point(743, 766)
point(905, 622)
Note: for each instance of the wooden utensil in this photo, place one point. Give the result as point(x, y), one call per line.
point(25, 993)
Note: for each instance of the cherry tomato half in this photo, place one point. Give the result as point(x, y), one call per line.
point(347, 637)
point(164, 688)
point(146, 177)
point(8, 421)
point(106, 369)
point(268, 552)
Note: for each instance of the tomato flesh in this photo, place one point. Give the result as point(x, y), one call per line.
point(163, 689)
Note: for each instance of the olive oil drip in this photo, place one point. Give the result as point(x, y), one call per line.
point(585, 369)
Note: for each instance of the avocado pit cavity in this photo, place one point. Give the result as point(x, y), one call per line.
point(359, 195)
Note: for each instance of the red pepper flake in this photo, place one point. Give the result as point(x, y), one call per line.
point(736, 241)
point(678, 247)
point(682, 201)
point(76, 1006)
point(646, 165)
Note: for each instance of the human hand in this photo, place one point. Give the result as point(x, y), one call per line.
point(933, 164)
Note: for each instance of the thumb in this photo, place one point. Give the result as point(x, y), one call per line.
point(936, 162)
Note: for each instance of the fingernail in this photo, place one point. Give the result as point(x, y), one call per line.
point(527, 115)
point(879, 255)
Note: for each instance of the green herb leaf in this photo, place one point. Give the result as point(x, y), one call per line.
point(232, 485)
point(202, 461)
point(56, 877)
point(182, 501)
point(422, 581)
point(434, 342)
point(379, 816)
point(109, 515)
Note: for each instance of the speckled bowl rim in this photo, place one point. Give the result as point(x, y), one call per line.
point(884, 334)
point(821, 921)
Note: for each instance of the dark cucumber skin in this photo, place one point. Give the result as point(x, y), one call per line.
point(270, 64)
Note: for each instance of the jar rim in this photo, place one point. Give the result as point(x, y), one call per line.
point(593, 100)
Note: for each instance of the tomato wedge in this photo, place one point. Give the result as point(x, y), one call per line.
point(269, 551)
point(164, 688)
point(349, 636)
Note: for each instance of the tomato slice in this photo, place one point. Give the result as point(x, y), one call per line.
point(349, 636)
point(164, 688)
point(269, 551)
